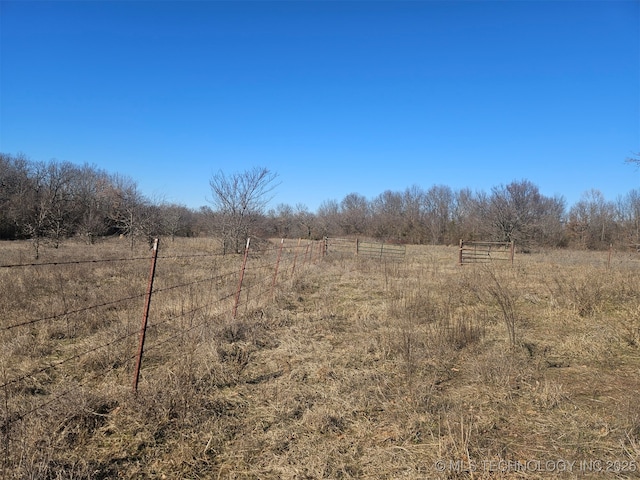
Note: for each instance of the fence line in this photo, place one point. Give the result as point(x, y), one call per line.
point(261, 273)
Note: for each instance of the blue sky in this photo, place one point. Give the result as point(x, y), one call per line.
point(336, 97)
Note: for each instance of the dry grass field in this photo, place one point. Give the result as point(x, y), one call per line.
point(349, 368)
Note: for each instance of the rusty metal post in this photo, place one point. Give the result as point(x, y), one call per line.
point(325, 246)
point(275, 273)
point(357, 245)
point(306, 255)
point(145, 315)
point(460, 252)
point(295, 257)
point(239, 289)
point(513, 251)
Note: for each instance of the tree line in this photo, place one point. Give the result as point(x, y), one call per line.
point(51, 201)
point(440, 215)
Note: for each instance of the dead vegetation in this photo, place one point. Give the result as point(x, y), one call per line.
point(350, 368)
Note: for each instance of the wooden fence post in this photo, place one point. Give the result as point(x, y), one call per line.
point(145, 315)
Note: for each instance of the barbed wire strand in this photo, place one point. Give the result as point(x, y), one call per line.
point(71, 312)
point(74, 262)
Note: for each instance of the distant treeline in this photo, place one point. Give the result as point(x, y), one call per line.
point(52, 201)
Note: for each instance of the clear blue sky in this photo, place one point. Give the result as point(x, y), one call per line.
point(336, 97)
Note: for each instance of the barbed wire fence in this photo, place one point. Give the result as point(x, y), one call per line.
point(75, 324)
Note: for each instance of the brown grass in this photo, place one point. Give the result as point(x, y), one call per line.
point(350, 368)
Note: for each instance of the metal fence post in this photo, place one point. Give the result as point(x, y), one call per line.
point(295, 257)
point(244, 265)
point(275, 273)
point(306, 255)
point(513, 251)
point(145, 315)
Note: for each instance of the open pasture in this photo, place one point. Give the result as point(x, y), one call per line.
point(335, 366)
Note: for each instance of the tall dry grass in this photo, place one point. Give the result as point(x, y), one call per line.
point(349, 368)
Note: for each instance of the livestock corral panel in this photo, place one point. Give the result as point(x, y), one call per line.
point(485, 252)
point(365, 248)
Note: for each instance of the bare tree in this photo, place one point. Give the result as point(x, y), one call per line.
point(467, 214)
point(628, 215)
point(519, 212)
point(15, 184)
point(413, 221)
point(591, 220)
point(354, 214)
point(283, 220)
point(240, 199)
point(305, 221)
point(126, 207)
point(44, 209)
point(175, 219)
point(328, 218)
point(387, 212)
point(91, 193)
point(438, 207)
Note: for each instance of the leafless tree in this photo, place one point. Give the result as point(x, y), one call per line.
point(519, 212)
point(306, 222)
point(628, 215)
point(45, 207)
point(15, 183)
point(282, 220)
point(387, 213)
point(413, 221)
point(467, 214)
point(126, 207)
point(91, 192)
point(438, 206)
point(239, 199)
point(328, 218)
point(175, 219)
point(591, 220)
point(354, 214)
